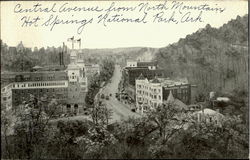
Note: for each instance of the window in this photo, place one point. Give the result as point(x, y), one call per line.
point(210, 119)
point(68, 106)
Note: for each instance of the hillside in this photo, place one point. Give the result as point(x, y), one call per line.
point(128, 53)
point(214, 59)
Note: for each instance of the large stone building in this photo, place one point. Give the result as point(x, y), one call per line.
point(133, 70)
point(151, 93)
point(67, 85)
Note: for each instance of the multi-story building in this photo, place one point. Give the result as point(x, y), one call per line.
point(133, 70)
point(68, 86)
point(151, 93)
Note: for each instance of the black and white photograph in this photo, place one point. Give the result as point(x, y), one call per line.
point(124, 79)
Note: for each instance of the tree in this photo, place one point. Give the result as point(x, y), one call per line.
point(30, 129)
point(100, 113)
point(206, 140)
point(8, 119)
point(168, 118)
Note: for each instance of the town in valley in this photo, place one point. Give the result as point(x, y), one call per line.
point(186, 100)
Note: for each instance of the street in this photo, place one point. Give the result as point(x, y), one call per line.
point(120, 110)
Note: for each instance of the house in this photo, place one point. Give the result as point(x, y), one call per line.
point(209, 116)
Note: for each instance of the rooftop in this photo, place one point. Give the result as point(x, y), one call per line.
point(141, 77)
point(155, 80)
point(178, 103)
point(208, 111)
point(167, 82)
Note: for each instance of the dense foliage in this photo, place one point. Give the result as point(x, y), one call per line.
point(213, 59)
point(107, 69)
point(152, 136)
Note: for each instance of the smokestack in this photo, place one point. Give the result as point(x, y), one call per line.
point(60, 59)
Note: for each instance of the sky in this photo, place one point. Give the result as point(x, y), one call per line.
point(114, 35)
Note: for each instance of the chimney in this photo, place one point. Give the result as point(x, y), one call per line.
point(62, 61)
point(61, 58)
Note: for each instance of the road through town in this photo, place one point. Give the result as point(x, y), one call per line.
point(120, 110)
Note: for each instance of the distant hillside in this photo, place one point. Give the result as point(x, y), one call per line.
point(214, 59)
point(20, 58)
point(132, 52)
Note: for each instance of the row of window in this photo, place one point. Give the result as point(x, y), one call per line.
point(149, 94)
point(18, 78)
point(154, 104)
point(73, 77)
point(40, 90)
point(148, 88)
point(77, 89)
point(39, 84)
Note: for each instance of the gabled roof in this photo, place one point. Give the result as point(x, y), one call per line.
point(170, 98)
point(141, 77)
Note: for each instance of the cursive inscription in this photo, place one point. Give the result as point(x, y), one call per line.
point(54, 15)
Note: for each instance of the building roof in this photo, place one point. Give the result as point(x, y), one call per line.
point(170, 98)
point(167, 82)
point(146, 64)
point(155, 80)
point(176, 102)
point(208, 111)
point(35, 76)
point(37, 67)
point(180, 104)
point(141, 77)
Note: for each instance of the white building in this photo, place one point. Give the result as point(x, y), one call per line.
point(209, 116)
point(131, 63)
point(151, 93)
point(148, 93)
point(76, 71)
